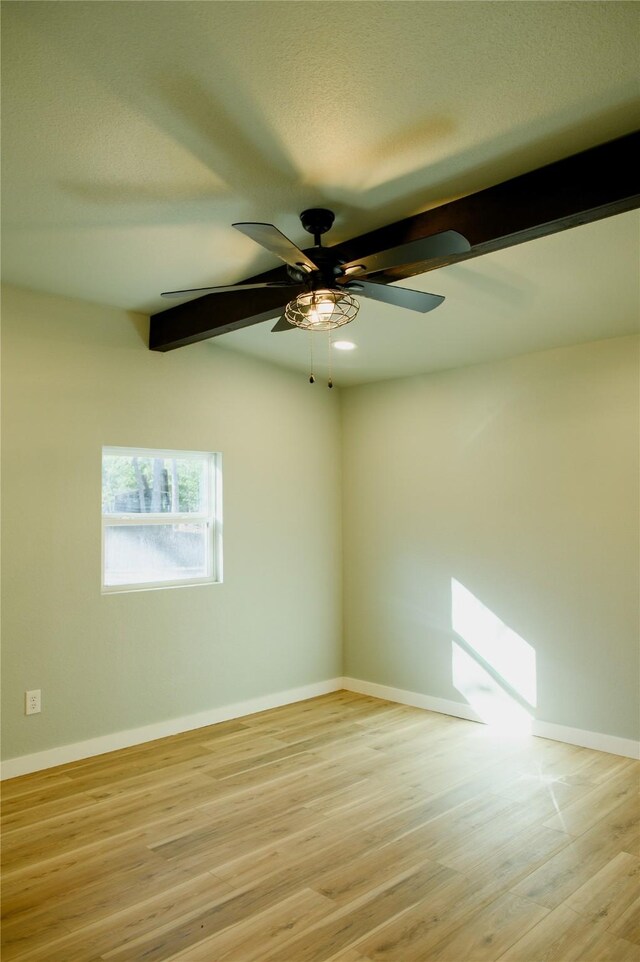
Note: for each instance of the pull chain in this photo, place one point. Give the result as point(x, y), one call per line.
point(312, 379)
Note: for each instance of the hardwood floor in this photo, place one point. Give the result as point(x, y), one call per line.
point(342, 828)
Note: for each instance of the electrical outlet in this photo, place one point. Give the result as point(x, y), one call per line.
point(32, 702)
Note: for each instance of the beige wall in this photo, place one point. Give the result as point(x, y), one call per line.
point(77, 376)
point(518, 481)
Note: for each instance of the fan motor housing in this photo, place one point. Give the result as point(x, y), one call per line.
point(328, 261)
point(328, 269)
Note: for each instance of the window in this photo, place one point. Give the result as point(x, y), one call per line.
point(161, 518)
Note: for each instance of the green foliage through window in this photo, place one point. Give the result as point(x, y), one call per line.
point(134, 485)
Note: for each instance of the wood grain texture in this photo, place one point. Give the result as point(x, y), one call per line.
point(340, 829)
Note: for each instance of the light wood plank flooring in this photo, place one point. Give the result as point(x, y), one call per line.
point(342, 828)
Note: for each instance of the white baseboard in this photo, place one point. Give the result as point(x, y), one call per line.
point(25, 764)
point(612, 744)
point(413, 698)
point(38, 761)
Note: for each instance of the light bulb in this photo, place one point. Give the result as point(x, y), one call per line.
point(321, 309)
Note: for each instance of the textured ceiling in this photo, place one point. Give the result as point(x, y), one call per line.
point(135, 133)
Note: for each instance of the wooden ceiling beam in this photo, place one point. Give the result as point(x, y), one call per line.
point(585, 187)
point(215, 314)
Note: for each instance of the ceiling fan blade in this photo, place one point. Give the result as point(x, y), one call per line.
point(399, 296)
point(275, 241)
point(427, 248)
point(222, 290)
point(283, 325)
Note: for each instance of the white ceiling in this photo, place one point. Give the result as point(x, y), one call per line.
point(135, 133)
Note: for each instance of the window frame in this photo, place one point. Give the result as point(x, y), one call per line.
point(212, 518)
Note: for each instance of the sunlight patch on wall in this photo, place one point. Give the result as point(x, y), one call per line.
point(509, 655)
point(494, 706)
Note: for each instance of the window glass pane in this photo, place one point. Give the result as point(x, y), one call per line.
point(139, 554)
point(135, 485)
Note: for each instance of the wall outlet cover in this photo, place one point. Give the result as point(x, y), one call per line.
point(32, 701)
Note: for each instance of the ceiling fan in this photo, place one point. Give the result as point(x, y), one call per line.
point(322, 283)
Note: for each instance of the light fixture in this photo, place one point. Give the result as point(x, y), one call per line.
point(344, 345)
point(322, 310)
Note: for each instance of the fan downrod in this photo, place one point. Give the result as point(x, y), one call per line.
point(317, 221)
